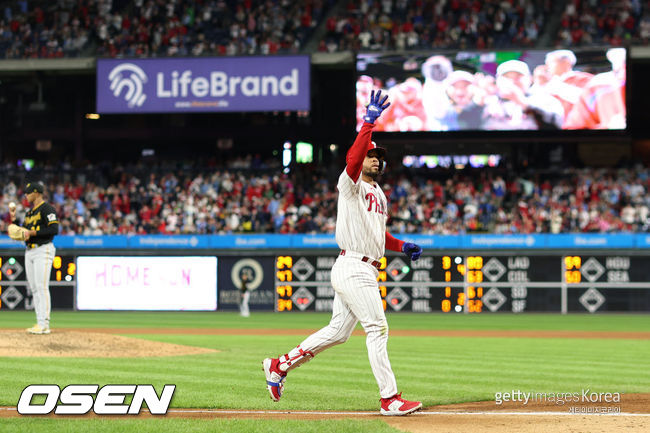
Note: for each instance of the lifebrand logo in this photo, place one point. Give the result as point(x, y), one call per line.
point(129, 79)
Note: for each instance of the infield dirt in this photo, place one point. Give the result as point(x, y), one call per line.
point(476, 417)
point(77, 344)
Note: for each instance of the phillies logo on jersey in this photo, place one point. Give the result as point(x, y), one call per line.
point(375, 203)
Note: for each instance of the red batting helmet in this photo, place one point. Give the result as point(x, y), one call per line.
point(380, 153)
point(377, 151)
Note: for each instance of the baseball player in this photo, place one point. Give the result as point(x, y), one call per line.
point(464, 112)
point(361, 234)
point(565, 83)
point(406, 112)
point(244, 309)
point(41, 226)
point(516, 107)
point(434, 99)
point(602, 103)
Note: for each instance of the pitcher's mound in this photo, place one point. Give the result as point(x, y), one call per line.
point(74, 344)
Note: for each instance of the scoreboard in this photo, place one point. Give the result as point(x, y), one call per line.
point(14, 293)
point(479, 283)
point(458, 282)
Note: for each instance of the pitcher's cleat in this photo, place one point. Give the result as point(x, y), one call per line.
point(274, 378)
point(37, 329)
point(396, 405)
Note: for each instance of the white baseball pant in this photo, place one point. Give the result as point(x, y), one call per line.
point(38, 265)
point(356, 299)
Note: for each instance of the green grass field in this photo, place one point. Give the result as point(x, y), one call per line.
point(435, 370)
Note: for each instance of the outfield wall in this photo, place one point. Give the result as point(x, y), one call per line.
point(291, 273)
point(255, 241)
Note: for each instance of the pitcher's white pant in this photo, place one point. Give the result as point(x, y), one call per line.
point(356, 299)
point(38, 265)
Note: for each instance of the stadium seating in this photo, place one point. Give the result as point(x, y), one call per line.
point(250, 195)
point(143, 28)
point(458, 24)
point(47, 29)
point(586, 23)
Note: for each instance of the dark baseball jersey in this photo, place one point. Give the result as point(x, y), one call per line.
point(42, 218)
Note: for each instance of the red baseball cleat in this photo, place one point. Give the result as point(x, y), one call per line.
point(396, 405)
point(274, 378)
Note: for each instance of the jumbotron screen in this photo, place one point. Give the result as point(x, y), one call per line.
point(496, 90)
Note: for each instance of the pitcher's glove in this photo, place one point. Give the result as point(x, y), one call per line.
point(16, 232)
point(411, 250)
point(375, 107)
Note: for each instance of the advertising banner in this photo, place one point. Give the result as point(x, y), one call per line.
point(249, 241)
point(503, 241)
point(146, 283)
point(166, 242)
point(326, 241)
point(92, 242)
point(6, 243)
point(238, 84)
point(314, 241)
point(593, 240)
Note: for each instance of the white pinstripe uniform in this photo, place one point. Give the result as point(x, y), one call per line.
point(360, 231)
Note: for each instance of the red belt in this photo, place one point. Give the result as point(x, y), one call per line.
point(374, 263)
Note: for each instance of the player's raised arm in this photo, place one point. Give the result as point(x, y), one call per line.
point(411, 250)
point(362, 144)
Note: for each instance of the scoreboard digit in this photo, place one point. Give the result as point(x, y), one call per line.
point(607, 282)
point(479, 283)
point(433, 283)
point(473, 294)
point(284, 292)
point(498, 283)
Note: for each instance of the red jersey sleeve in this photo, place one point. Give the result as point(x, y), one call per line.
point(393, 244)
point(358, 151)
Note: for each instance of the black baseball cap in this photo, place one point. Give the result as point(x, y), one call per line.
point(34, 187)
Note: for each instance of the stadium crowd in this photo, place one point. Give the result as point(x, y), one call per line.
point(455, 24)
point(250, 195)
point(198, 28)
point(148, 28)
point(49, 29)
point(613, 23)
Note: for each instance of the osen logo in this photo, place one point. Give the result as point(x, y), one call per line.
point(109, 400)
point(127, 81)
